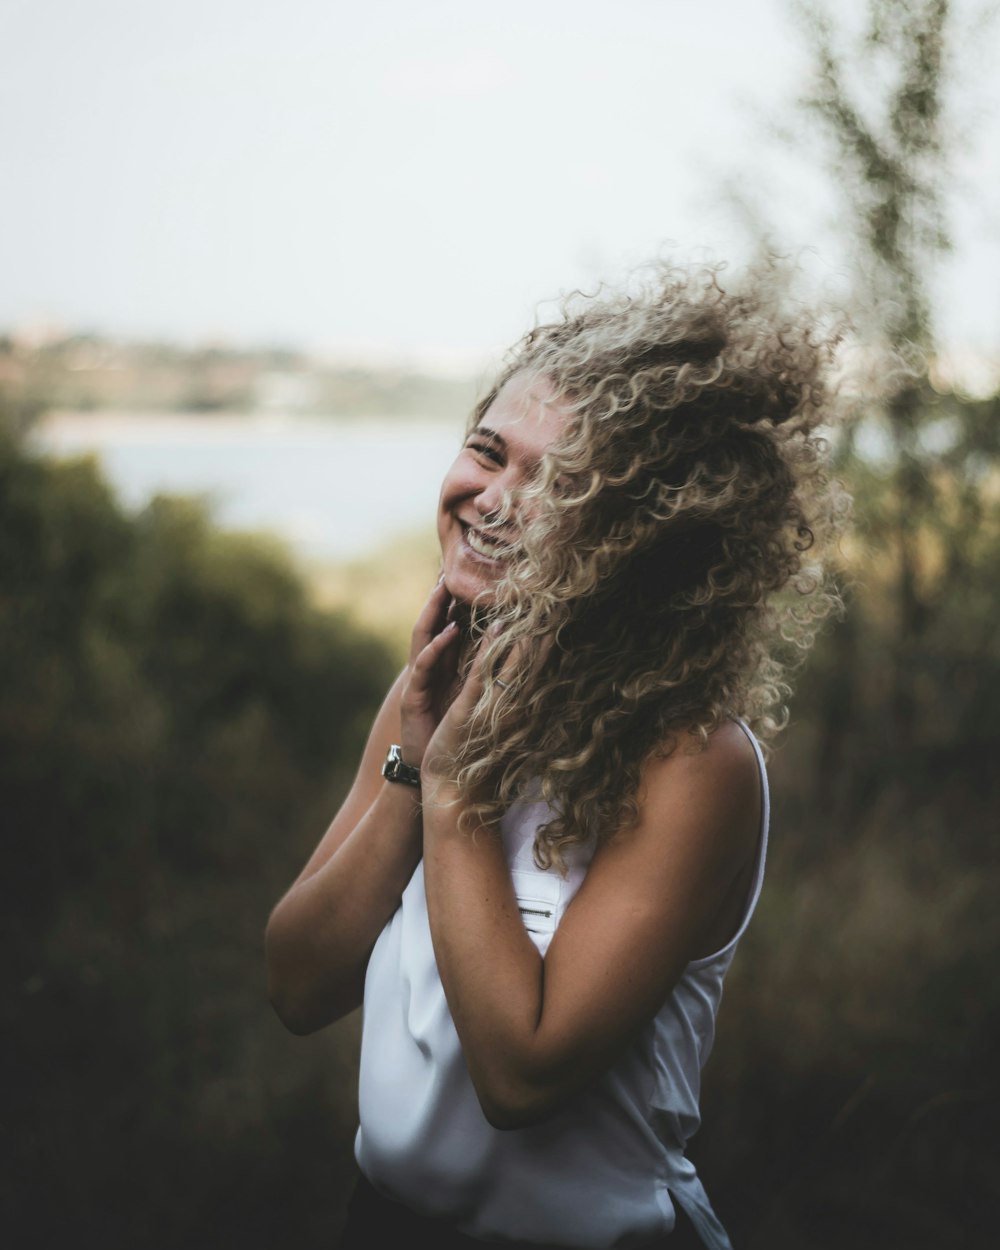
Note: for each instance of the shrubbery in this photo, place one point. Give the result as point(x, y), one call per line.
point(177, 724)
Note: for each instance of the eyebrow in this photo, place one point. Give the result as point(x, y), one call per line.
point(484, 431)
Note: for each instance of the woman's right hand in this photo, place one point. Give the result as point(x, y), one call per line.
point(322, 932)
point(431, 672)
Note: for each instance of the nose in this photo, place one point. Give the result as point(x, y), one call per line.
point(490, 500)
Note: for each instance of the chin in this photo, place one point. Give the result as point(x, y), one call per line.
point(469, 592)
point(466, 597)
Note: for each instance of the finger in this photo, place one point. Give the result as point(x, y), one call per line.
point(526, 656)
point(475, 679)
point(424, 664)
point(431, 618)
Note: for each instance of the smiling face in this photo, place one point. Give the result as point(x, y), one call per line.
point(500, 454)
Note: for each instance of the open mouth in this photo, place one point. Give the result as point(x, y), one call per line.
point(486, 545)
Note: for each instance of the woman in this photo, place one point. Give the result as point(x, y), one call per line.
point(557, 833)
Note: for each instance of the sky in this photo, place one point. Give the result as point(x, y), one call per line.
point(412, 180)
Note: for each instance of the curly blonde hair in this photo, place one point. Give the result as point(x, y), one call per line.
point(669, 575)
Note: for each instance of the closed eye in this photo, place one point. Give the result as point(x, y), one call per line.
point(488, 450)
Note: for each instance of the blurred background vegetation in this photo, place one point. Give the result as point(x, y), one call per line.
point(180, 712)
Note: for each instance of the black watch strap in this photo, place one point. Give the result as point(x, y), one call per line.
point(395, 770)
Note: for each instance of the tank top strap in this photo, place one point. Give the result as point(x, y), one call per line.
point(757, 881)
point(765, 823)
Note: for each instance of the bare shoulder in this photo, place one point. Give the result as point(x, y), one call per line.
point(714, 785)
point(673, 885)
point(694, 840)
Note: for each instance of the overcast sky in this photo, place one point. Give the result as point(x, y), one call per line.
point(406, 176)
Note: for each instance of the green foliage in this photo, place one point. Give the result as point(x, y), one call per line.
point(176, 726)
point(880, 100)
point(912, 666)
point(853, 1097)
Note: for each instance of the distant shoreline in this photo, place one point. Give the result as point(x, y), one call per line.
point(334, 489)
point(128, 418)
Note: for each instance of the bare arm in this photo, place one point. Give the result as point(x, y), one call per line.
point(536, 1031)
point(321, 934)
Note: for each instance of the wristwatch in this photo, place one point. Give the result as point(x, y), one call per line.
point(395, 770)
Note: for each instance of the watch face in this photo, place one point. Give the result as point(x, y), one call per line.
point(394, 769)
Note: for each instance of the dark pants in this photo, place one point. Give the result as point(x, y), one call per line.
point(376, 1221)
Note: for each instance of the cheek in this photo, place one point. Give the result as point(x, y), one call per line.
point(450, 496)
point(459, 483)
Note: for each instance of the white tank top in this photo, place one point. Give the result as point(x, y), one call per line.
point(604, 1170)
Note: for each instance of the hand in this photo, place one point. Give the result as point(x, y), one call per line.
point(431, 674)
point(453, 725)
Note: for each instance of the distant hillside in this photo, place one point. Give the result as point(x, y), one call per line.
point(88, 373)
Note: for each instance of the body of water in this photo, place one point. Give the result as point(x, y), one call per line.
point(333, 489)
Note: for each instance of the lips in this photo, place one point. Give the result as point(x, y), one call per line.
point(485, 545)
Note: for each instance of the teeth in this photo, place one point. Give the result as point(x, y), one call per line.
point(483, 547)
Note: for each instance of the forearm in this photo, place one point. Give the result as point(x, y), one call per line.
point(492, 974)
point(322, 932)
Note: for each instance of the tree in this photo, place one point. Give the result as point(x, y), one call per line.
point(863, 1008)
point(882, 104)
